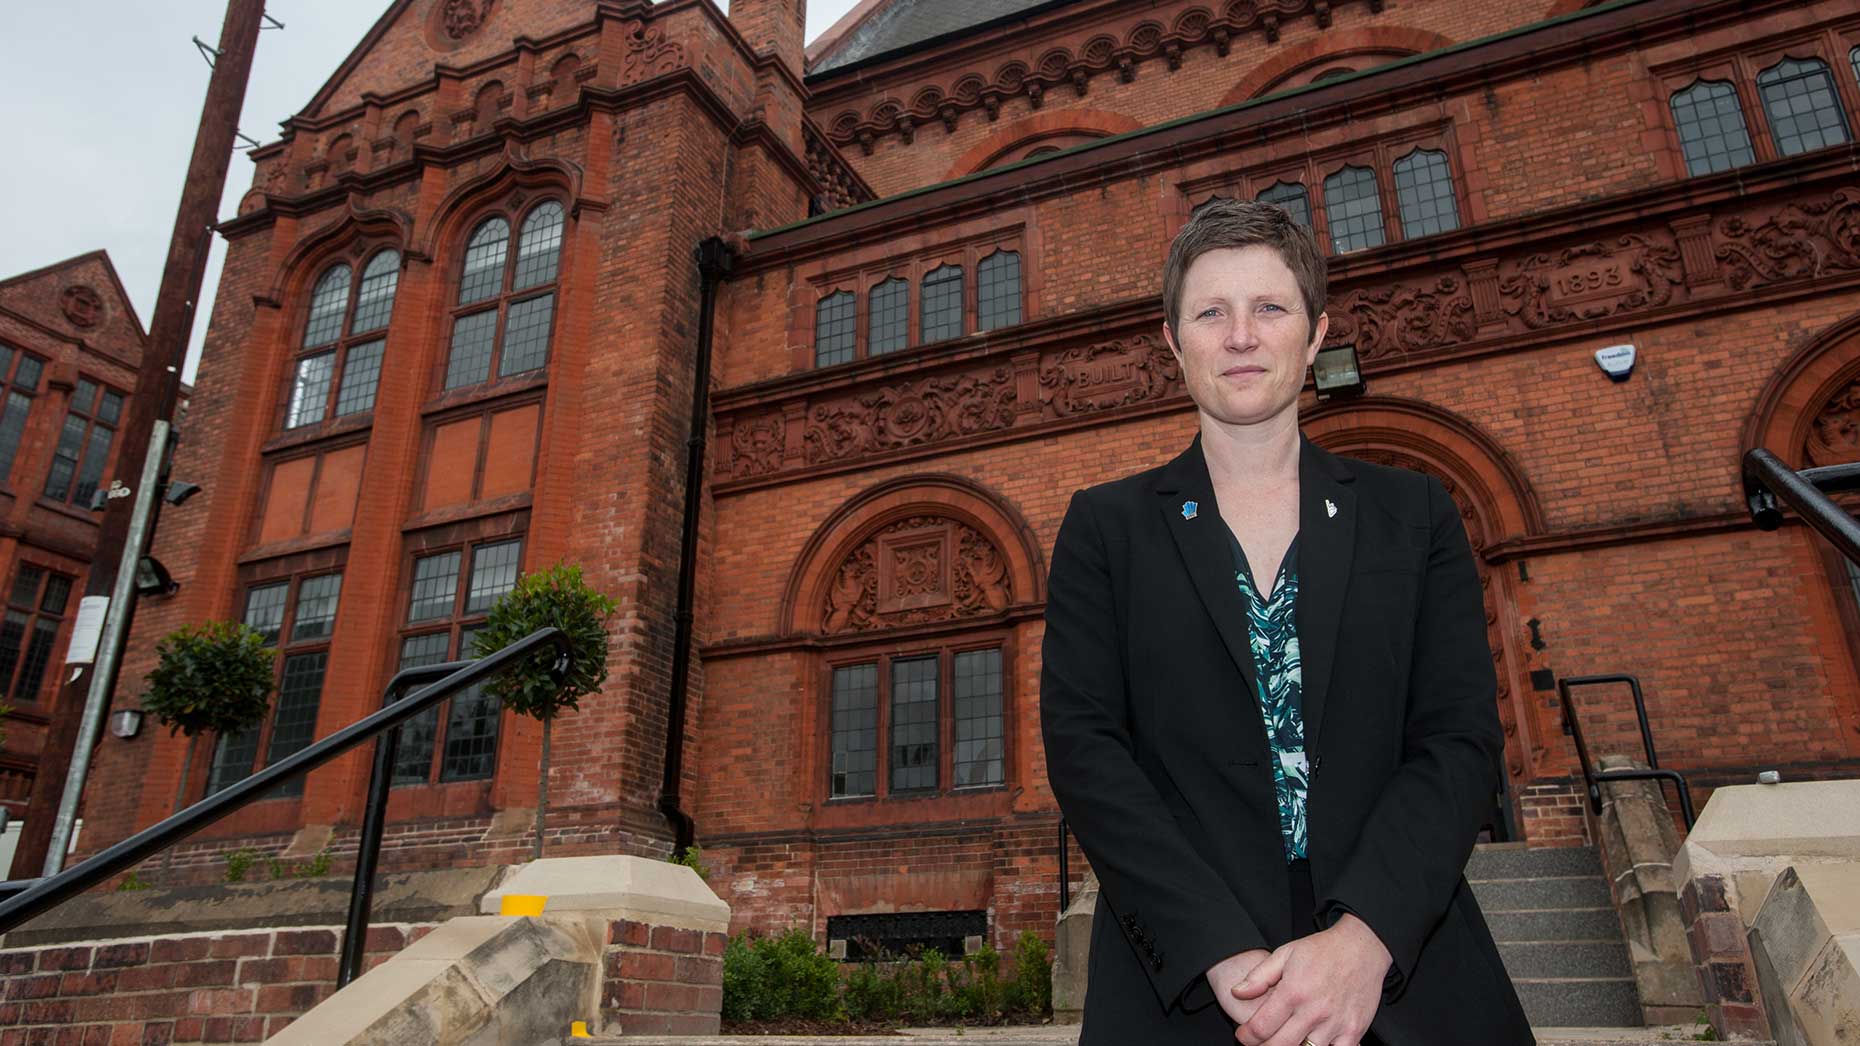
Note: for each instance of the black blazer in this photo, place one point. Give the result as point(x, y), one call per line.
point(1159, 760)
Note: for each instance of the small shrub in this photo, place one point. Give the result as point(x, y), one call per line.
point(745, 977)
point(982, 993)
point(872, 994)
point(802, 981)
point(693, 858)
point(239, 862)
point(1030, 987)
point(133, 882)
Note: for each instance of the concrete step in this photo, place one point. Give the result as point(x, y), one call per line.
point(1509, 861)
point(1579, 1002)
point(1514, 895)
point(1566, 959)
point(1559, 924)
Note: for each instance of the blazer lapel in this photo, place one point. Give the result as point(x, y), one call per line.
point(1201, 537)
point(1326, 544)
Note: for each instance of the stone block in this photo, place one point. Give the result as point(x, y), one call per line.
point(1826, 1002)
point(1071, 954)
point(1807, 977)
point(658, 893)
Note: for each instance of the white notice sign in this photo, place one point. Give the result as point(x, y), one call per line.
point(87, 631)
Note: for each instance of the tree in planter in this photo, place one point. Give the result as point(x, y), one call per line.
point(558, 598)
point(216, 678)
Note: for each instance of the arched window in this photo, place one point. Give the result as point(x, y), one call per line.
point(506, 306)
point(836, 329)
point(888, 315)
point(1804, 110)
point(1424, 194)
point(942, 304)
point(998, 291)
point(344, 336)
point(1292, 197)
point(1353, 207)
point(1711, 128)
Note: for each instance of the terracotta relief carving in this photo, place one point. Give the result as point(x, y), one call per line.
point(757, 445)
point(1798, 241)
point(839, 185)
point(1118, 51)
point(82, 305)
point(1382, 321)
point(1834, 439)
point(649, 54)
point(918, 570)
point(930, 410)
point(1592, 281)
point(1108, 375)
point(461, 18)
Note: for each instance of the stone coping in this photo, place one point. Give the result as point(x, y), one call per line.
point(618, 887)
point(399, 897)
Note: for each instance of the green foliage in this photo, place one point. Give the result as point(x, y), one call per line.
point(133, 882)
point(1031, 988)
point(693, 858)
point(784, 976)
point(316, 868)
point(214, 677)
point(239, 862)
point(557, 597)
point(5, 710)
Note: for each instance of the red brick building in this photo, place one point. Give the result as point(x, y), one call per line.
point(459, 323)
point(70, 344)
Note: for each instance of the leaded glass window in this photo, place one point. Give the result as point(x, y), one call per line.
point(19, 385)
point(339, 367)
point(836, 329)
point(980, 734)
point(1803, 106)
point(937, 717)
point(941, 303)
point(1424, 194)
point(855, 731)
point(1291, 196)
point(998, 291)
point(888, 312)
point(1353, 208)
point(297, 616)
point(83, 448)
point(505, 320)
point(1711, 128)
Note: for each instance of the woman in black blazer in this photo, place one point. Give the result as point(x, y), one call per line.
point(1268, 704)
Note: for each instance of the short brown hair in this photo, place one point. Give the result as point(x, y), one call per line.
point(1221, 224)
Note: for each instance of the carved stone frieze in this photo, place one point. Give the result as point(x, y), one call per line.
point(1107, 375)
point(840, 185)
point(1398, 319)
point(1834, 438)
point(1117, 48)
point(757, 445)
point(1591, 281)
point(459, 19)
point(1799, 241)
point(918, 570)
point(911, 413)
point(649, 53)
point(82, 306)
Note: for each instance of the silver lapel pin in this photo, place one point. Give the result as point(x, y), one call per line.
point(1330, 508)
point(1189, 509)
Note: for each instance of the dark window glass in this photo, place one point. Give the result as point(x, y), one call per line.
point(888, 313)
point(483, 275)
point(835, 328)
point(998, 291)
point(1353, 206)
point(83, 447)
point(493, 573)
point(328, 302)
point(1853, 59)
point(12, 427)
point(1711, 128)
point(435, 586)
point(360, 377)
point(264, 610)
point(374, 299)
point(310, 390)
point(1424, 194)
point(539, 249)
point(232, 758)
point(526, 335)
point(29, 630)
point(13, 629)
point(471, 728)
point(90, 473)
point(65, 458)
point(300, 692)
point(1293, 197)
point(1207, 203)
point(979, 732)
point(413, 756)
point(1804, 110)
point(316, 607)
point(474, 338)
point(941, 302)
point(855, 730)
point(913, 724)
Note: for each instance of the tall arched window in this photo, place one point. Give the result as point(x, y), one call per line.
point(339, 365)
point(942, 304)
point(888, 315)
point(1803, 106)
point(506, 306)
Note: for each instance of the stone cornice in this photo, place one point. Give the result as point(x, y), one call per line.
point(1760, 238)
point(1421, 80)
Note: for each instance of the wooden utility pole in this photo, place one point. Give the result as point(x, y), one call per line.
point(76, 711)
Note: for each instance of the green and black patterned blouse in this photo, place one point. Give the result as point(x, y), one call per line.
point(1274, 634)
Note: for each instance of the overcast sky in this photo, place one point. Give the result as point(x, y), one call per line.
point(101, 101)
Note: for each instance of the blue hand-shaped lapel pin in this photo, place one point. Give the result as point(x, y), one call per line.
point(1188, 509)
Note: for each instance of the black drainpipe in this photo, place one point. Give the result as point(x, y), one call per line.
point(713, 262)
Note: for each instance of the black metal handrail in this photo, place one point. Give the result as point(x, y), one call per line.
point(1770, 485)
point(41, 895)
point(1592, 778)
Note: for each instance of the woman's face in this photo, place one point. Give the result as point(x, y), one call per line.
point(1243, 338)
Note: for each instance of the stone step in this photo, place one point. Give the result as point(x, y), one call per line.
point(1508, 861)
point(1579, 1002)
point(1566, 959)
point(1564, 924)
point(1516, 895)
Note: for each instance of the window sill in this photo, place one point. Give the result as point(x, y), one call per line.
point(82, 515)
point(473, 395)
point(975, 803)
point(306, 434)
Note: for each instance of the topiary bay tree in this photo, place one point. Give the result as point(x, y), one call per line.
point(215, 677)
point(553, 598)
